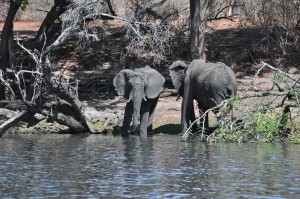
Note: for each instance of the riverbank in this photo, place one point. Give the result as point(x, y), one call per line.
point(96, 68)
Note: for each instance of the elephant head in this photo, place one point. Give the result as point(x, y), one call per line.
point(138, 85)
point(177, 73)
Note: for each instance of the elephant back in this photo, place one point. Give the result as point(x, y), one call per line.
point(229, 78)
point(214, 81)
point(213, 72)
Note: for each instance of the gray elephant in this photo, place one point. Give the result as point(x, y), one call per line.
point(208, 83)
point(141, 87)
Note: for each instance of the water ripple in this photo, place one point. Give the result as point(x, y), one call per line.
point(96, 166)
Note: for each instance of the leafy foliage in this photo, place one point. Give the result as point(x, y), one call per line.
point(24, 3)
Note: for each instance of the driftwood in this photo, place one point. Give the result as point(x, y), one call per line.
point(14, 120)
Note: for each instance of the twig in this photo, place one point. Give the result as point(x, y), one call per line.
point(186, 134)
point(264, 64)
point(33, 55)
point(6, 84)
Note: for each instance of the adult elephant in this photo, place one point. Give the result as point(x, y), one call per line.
point(141, 87)
point(208, 83)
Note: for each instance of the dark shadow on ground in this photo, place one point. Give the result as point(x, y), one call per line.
point(168, 129)
point(242, 49)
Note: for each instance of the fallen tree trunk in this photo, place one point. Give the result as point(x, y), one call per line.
point(13, 105)
point(69, 94)
point(15, 120)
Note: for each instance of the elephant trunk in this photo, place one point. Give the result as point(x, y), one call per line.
point(137, 102)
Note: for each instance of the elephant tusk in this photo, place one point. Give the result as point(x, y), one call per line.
point(128, 100)
point(145, 99)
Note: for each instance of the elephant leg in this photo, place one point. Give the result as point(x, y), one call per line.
point(206, 125)
point(187, 114)
point(203, 120)
point(145, 108)
point(193, 118)
point(127, 118)
point(151, 114)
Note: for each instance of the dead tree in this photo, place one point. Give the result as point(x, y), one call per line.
point(55, 97)
point(52, 23)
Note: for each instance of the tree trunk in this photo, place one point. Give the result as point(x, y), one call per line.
point(6, 42)
point(65, 92)
point(49, 27)
point(111, 10)
point(197, 34)
point(230, 5)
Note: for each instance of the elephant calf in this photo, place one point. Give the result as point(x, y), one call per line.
point(141, 87)
point(208, 83)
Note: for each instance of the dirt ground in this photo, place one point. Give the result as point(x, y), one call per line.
point(96, 68)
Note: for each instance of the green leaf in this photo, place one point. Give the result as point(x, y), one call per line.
point(24, 3)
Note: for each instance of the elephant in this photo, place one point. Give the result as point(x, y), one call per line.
point(207, 83)
point(141, 88)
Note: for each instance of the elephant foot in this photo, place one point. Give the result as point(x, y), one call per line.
point(125, 134)
point(135, 133)
point(143, 134)
point(150, 133)
point(210, 130)
point(190, 137)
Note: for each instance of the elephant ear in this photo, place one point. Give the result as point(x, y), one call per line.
point(154, 82)
point(177, 73)
point(121, 83)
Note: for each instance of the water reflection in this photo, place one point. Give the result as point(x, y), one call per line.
point(68, 166)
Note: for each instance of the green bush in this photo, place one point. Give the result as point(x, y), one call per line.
point(266, 124)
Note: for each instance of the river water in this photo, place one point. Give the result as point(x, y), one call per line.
point(97, 166)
